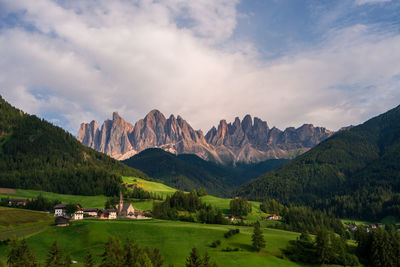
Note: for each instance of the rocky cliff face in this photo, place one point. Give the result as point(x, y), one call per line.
point(121, 140)
point(241, 141)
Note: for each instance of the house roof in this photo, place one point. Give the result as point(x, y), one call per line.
point(17, 199)
point(60, 206)
point(126, 206)
point(63, 206)
point(90, 209)
point(107, 210)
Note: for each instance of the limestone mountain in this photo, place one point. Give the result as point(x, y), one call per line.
point(244, 141)
point(121, 140)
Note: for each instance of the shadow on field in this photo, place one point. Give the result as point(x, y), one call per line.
point(242, 246)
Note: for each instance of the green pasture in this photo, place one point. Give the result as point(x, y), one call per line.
point(175, 240)
point(85, 201)
point(19, 222)
point(150, 186)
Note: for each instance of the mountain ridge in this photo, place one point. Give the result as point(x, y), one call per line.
point(355, 173)
point(35, 154)
point(247, 141)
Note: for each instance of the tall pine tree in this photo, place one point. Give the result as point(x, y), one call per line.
point(257, 237)
point(55, 257)
point(194, 259)
point(89, 261)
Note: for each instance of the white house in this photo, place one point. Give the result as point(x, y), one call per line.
point(108, 214)
point(78, 215)
point(60, 210)
point(91, 212)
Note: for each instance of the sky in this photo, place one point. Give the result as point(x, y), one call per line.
point(288, 62)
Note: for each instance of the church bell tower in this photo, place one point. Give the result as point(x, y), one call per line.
point(120, 204)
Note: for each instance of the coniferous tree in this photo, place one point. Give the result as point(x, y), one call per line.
point(89, 261)
point(257, 237)
point(67, 261)
point(194, 259)
point(323, 248)
point(143, 261)
point(20, 255)
point(54, 258)
point(155, 257)
point(113, 254)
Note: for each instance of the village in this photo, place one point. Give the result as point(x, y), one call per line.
point(65, 213)
point(121, 211)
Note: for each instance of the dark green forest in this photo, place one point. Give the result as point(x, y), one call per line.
point(34, 154)
point(187, 172)
point(353, 174)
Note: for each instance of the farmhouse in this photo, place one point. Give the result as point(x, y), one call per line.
point(60, 210)
point(92, 212)
point(271, 217)
point(107, 214)
point(232, 217)
point(17, 201)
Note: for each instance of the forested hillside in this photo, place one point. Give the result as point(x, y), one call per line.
point(355, 173)
point(187, 171)
point(34, 154)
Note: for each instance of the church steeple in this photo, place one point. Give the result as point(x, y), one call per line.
point(120, 204)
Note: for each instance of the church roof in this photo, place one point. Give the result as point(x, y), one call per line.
point(126, 206)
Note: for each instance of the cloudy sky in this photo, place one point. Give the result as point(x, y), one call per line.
point(289, 62)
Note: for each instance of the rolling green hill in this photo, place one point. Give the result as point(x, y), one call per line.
point(18, 223)
point(34, 154)
point(187, 172)
point(355, 173)
point(174, 239)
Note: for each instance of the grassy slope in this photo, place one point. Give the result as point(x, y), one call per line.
point(17, 222)
point(159, 188)
point(222, 203)
point(175, 240)
point(155, 187)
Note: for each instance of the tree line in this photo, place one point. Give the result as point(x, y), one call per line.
point(192, 205)
point(115, 254)
point(301, 218)
point(39, 203)
point(327, 248)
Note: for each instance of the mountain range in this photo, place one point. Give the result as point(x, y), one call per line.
point(246, 141)
point(355, 173)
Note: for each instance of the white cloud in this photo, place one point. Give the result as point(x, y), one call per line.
point(362, 2)
point(92, 59)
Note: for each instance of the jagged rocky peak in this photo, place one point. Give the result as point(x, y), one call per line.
point(245, 140)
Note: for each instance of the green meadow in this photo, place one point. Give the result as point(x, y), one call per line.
point(85, 201)
point(18, 222)
point(151, 186)
point(175, 240)
point(159, 188)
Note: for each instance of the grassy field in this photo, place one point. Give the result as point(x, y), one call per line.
point(159, 188)
point(85, 201)
point(18, 222)
point(175, 240)
point(155, 187)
